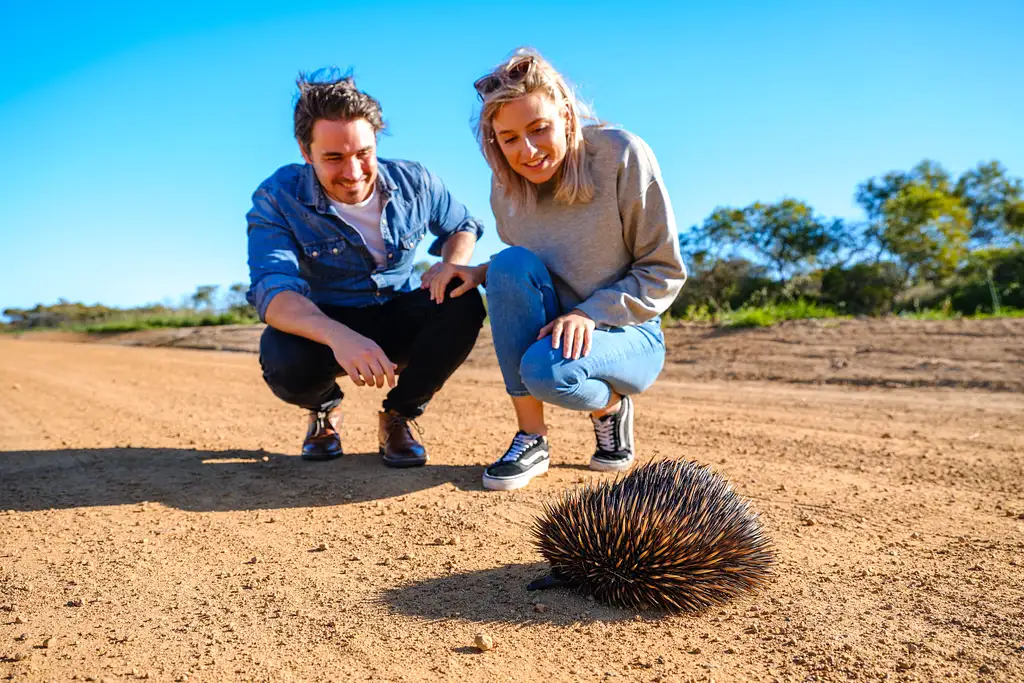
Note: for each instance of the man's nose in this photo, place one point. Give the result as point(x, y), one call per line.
point(351, 170)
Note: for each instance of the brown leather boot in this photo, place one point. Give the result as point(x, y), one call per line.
point(323, 442)
point(398, 447)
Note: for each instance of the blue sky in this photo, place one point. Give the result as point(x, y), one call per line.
point(132, 136)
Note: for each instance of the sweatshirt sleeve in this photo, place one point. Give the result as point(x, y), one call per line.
point(649, 230)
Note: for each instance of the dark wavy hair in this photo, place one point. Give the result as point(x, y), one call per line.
point(327, 94)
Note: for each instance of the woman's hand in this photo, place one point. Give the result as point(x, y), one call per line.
point(574, 331)
point(436, 279)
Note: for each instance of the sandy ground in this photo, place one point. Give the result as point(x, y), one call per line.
point(155, 522)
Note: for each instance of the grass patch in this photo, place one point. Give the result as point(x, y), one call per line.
point(185, 319)
point(765, 316)
point(760, 316)
point(942, 314)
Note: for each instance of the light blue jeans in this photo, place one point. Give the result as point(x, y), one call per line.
point(521, 299)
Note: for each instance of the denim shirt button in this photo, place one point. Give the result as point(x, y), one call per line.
point(334, 251)
point(315, 254)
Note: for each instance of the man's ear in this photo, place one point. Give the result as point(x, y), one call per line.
point(305, 152)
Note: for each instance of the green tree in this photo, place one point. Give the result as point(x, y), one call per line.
point(927, 228)
point(917, 219)
point(786, 235)
point(995, 202)
point(236, 301)
point(204, 296)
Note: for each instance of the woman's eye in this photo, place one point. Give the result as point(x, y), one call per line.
point(508, 141)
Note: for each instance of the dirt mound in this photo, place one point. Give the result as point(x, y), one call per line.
point(887, 352)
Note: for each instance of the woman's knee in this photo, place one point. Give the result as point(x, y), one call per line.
point(512, 266)
point(547, 375)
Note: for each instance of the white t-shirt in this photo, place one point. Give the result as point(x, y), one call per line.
point(365, 218)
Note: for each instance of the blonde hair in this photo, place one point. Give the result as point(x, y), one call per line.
point(533, 73)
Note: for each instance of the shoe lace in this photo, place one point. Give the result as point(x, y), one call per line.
point(321, 420)
point(604, 430)
point(407, 423)
point(520, 444)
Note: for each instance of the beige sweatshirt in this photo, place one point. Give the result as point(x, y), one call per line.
point(615, 258)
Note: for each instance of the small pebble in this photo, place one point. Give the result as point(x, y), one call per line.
point(22, 637)
point(320, 548)
point(77, 602)
point(483, 642)
point(16, 386)
point(407, 556)
point(19, 620)
point(540, 607)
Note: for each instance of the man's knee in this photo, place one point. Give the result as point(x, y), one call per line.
point(293, 365)
point(466, 308)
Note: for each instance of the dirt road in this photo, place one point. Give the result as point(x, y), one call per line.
point(154, 522)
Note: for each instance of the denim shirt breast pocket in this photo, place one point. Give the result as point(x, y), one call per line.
point(407, 224)
point(330, 260)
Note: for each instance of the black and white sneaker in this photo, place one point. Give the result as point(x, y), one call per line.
point(614, 433)
point(525, 459)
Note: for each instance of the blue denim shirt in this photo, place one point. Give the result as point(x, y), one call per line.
point(298, 243)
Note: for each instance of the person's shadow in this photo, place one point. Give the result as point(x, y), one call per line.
point(204, 481)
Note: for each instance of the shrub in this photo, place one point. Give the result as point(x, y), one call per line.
point(864, 288)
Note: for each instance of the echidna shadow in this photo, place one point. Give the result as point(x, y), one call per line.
point(670, 535)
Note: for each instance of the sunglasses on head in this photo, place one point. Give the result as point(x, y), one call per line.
point(512, 73)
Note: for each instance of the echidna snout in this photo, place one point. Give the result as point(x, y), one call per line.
point(669, 534)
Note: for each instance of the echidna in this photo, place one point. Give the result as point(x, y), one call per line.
point(671, 534)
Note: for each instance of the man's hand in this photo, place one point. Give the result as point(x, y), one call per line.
point(440, 274)
point(574, 331)
point(362, 359)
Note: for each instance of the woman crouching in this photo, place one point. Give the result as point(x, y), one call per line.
point(593, 261)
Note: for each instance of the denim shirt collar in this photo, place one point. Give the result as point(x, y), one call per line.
point(312, 194)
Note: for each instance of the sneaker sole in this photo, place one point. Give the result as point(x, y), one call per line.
point(606, 466)
point(513, 483)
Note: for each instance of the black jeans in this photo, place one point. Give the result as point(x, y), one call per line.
point(427, 340)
